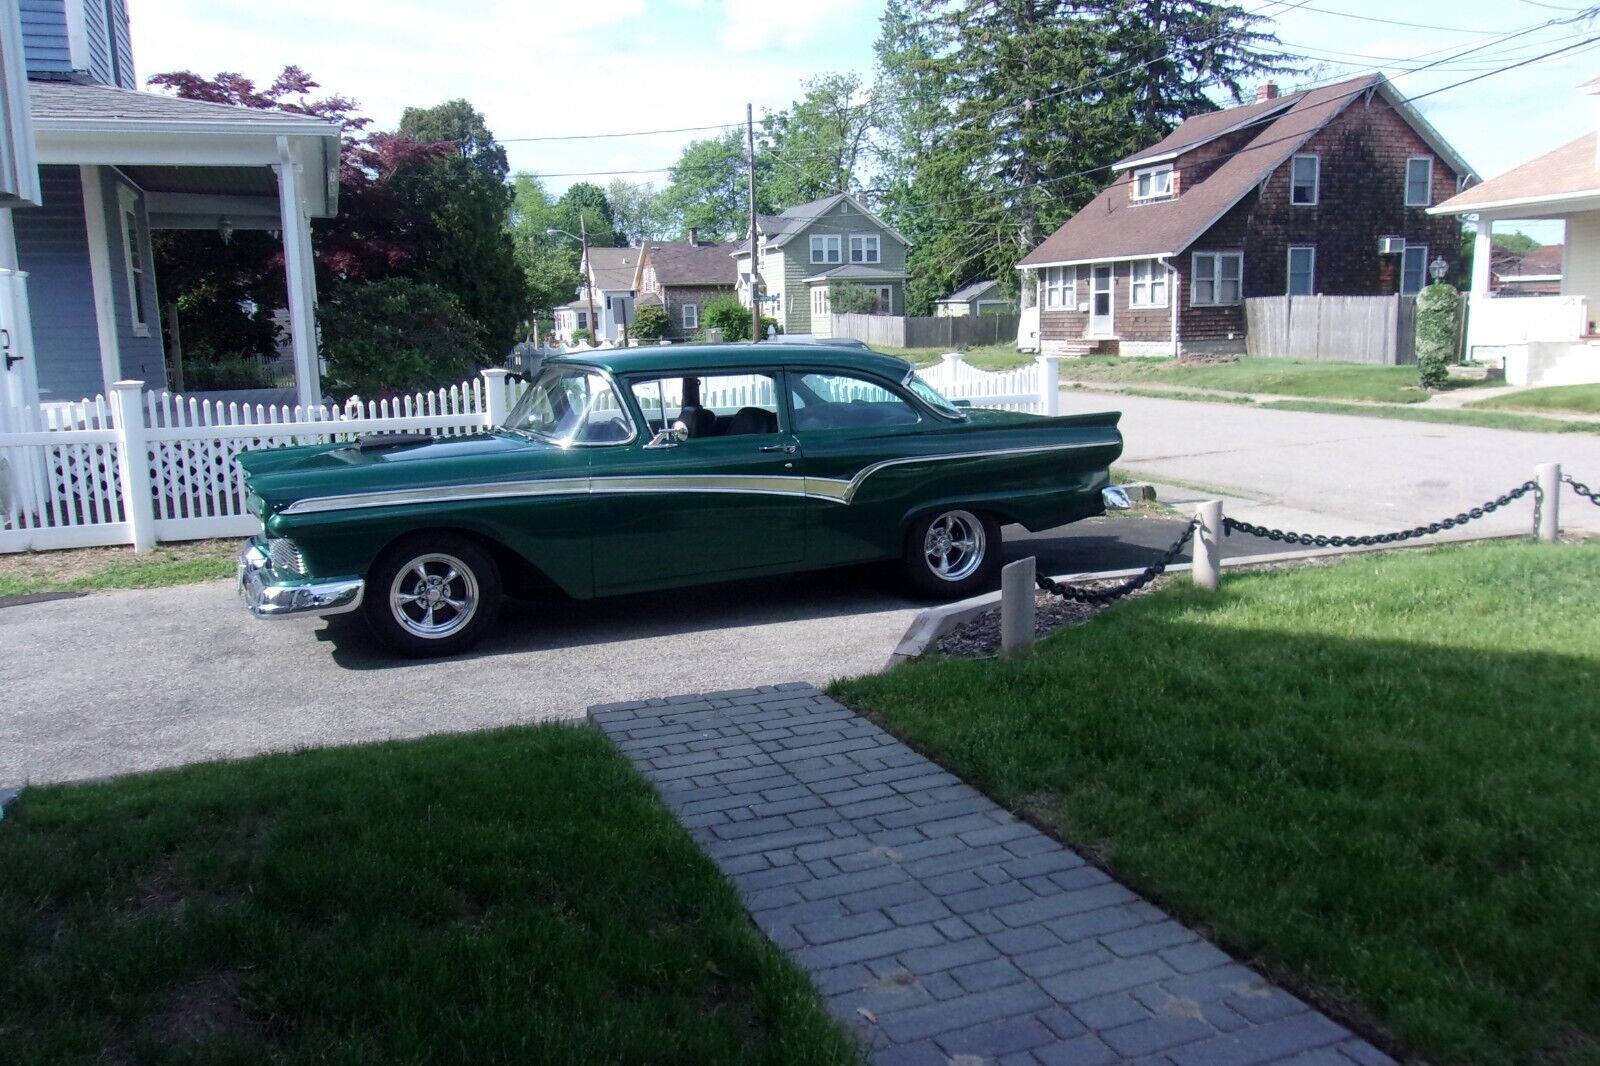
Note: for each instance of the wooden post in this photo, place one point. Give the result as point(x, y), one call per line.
point(1017, 606)
point(1207, 561)
point(494, 395)
point(133, 464)
point(755, 251)
point(1548, 475)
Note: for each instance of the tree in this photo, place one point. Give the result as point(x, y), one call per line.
point(649, 323)
point(729, 315)
point(708, 189)
point(636, 211)
point(550, 263)
point(458, 124)
point(395, 335)
point(820, 145)
point(584, 206)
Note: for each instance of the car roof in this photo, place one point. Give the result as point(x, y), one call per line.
point(662, 358)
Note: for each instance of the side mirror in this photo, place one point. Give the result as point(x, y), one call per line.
point(670, 437)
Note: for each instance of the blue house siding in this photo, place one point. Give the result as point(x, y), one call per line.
point(52, 246)
point(94, 33)
point(122, 43)
point(44, 35)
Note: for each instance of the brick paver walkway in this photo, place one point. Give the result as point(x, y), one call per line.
point(936, 924)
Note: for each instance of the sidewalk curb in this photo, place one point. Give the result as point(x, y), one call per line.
point(934, 622)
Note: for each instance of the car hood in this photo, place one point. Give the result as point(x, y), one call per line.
point(281, 476)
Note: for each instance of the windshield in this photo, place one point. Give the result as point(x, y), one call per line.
point(571, 405)
point(932, 396)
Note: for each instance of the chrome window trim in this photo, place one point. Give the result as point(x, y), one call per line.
point(832, 490)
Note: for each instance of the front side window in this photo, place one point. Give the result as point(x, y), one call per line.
point(1305, 180)
point(1218, 278)
point(1419, 181)
point(691, 316)
point(1153, 182)
point(1149, 284)
point(710, 405)
point(825, 248)
point(571, 405)
point(1413, 269)
point(841, 401)
point(1302, 270)
point(864, 248)
point(1060, 287)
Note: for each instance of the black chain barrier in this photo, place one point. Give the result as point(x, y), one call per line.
point(1230, 525)
point(1128, 587)
point(1581, 489)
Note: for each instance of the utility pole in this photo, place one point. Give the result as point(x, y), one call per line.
point(755, 253)
point(588, 281)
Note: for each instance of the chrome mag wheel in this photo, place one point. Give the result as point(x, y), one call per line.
point(954, 545)
point(434, 595)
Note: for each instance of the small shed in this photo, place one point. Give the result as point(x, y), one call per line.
point(978, 298)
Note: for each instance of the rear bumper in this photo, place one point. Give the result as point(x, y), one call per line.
point(267, 594)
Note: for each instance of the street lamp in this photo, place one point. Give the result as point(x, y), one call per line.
point(582, 237)
point(1438, 267)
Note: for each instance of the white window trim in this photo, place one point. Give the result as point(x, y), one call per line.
point(689, 316)
point(819, 248)
point(820, 302)
point(1316, 180)
point(128, 204)
point(1110, 327)
point(1216, 279)
point(1288, 275)
point(1063, 283)
point(877, 247)
point(1156, 276)
point(1165, 168)
point(1423, 281)
point(1427, 199)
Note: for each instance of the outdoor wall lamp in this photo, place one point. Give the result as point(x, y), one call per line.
point(1438, 267)
point(225, 229)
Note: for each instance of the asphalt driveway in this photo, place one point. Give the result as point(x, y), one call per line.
point(115, 682)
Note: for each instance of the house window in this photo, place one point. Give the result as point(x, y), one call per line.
point(1302, 270)
point(1305, 180)
point(1060, 287)
point(864, 248)
point(133, 253)
point(1419, 181)
point(885, 296)
point(825, 248)
point(1149, 284)
point(583, 320)
point(1152, 182)
point(691, 316)
point(1413, 269)
point(1218, 278)
point(819, 300)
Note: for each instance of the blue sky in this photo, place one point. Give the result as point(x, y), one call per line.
point(539, 69)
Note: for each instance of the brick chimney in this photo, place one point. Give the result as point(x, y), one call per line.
point(1267, 90)
point(694, 235)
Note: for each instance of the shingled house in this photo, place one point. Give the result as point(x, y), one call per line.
point(681, 276)
point(1324, 191)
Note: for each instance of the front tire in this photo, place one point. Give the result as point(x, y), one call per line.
point(432, 595)
point(952, 554)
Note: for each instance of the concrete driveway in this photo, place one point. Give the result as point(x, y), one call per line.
point(1341, 473)
point(114, 682)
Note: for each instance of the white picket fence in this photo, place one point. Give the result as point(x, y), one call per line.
point(67, 480)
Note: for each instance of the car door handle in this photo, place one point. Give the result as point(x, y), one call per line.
point(786, 449)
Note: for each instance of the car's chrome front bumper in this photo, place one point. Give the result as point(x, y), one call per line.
point(268, 595)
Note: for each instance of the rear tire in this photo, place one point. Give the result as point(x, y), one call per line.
point(952, 554)
point(432, 595)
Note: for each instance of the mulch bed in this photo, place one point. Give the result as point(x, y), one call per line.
point(981, 636)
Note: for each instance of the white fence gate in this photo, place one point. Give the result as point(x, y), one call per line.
point(70, 481)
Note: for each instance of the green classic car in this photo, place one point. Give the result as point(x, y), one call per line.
point(648, 468)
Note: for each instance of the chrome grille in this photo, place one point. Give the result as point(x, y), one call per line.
point(285, 556)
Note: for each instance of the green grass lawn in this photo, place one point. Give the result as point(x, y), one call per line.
point(1380, 779)
point(82, 569)
point(517, 896)
point(1574, 399)
point(984, 357)
point(1282, 377)
point(1448, 416)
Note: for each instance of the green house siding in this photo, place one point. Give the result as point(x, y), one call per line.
point(787, 267)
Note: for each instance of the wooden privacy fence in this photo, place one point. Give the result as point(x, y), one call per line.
point(899, 331)
point(137, 468)
point(1380, 330)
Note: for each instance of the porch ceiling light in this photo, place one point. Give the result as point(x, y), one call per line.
point(1438, 267)
point(225, 229)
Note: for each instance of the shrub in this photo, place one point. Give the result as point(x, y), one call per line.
point(583, 336)
point(205, 374)
point(769, 327)
point(649, 323)
point(1438, 315)
point(396, 335)
point(729, 315)
point(852, 300)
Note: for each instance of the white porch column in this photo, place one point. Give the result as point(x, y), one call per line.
point(19, 383)
point(301, 279)
point(1482, 253)
point(105, 308)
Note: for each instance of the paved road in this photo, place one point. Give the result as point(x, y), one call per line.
point(1348, 473)
point(123, 681)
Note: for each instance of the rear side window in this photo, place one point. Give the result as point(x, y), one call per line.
point(841, 401)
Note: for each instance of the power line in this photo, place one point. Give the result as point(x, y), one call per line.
point(609, 136)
